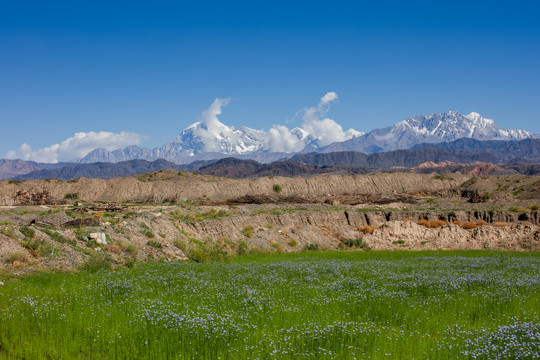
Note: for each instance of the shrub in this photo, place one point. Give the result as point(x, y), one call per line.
point(148, 233)
point(131, 249)
point(277, 188)
point(356, 243)
point(534, 207)
point(501, 224)
point(154, 244)
point(14, 182)
point(81, 234)
point(398, 242)
point(515, 209)
point(481, 223)
point(97, 262)
point(443, 177)
point(16, 256)
point(432, 224)
point(248, 231)
point(292, 242)
point(242, 247)
point(9, 233)
point(311, 247)
point(28, 232)
point(71, 196)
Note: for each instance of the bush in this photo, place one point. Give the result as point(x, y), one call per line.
point(292, 242)
point(534, 207)
point(242, 247)
point(28, 232)
point(131, 249)
point(356, 243)
point(97, 262)
point(81, 234)
point(277, 188)
point(16, 256)
point(9, 233)
point(311, 247)
point(71, 196)
point(154, 244)
point(148, 233)
point(398, 242)
point(248, 231)
point(501, 224)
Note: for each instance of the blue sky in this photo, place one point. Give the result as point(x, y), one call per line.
point(151, 68)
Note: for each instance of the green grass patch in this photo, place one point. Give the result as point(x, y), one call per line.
point(313, 305)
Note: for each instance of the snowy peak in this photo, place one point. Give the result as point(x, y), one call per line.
point(432, 128)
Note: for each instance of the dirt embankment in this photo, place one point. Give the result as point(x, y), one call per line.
point(173, 186)
point(58, 241)
point(235, 216)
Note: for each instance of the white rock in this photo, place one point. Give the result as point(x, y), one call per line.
point(1, 283)
point(100, 238)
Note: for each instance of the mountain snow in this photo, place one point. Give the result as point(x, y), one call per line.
point(209, 138)
point(432, 128)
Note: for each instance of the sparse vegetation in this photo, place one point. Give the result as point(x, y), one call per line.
point(357, 243)
point(432, 224)
point(443, 177)
point(9, 233)
point(154, 244)
point(56, 236)
point(311, 247)
point(398, 242)
point(28, 232)
point(248, 231)
point(292, 242)
point(71, 196)
point(16, 256)
point(277, 188)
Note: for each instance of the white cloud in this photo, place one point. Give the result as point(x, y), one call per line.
point(280, 139)
point(325, 130)
point(212, 130)
point(75, 147)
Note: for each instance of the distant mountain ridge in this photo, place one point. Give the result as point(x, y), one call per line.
point(432, 128)
point(461, 151)
point(214, 140)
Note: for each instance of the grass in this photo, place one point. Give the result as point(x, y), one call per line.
point(248, 231)
point(317, 305)
point(211, 214)
point(154, 244)
point(432, 224)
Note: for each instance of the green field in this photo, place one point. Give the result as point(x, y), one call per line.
point(318, 305)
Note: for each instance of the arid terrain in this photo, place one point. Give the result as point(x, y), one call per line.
point(169, 215)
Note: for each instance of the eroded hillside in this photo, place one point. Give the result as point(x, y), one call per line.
point(171, 216)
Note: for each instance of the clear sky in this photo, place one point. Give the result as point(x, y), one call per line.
point(153, 67)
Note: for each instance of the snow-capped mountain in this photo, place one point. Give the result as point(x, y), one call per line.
point(432, 128)
point(201, 141)
point(211, 139)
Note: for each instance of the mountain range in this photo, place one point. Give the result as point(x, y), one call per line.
point(461, 151)
point(206, 140)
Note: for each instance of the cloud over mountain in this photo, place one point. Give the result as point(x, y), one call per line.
point(75, 147)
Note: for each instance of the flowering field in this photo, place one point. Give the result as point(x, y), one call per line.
point(327, 305)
